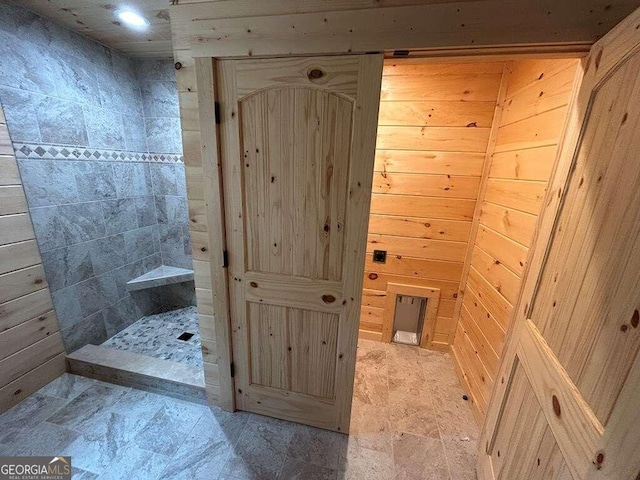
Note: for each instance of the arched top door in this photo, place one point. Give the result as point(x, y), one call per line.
point(297, 148)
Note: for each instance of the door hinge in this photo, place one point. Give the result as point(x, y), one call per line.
point(232, 369)
point(225, 259)
point(216, 112)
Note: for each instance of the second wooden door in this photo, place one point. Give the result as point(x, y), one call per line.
point(566, 404)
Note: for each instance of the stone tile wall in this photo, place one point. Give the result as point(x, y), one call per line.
point(98, 140)
point(160, 104)
point(162, 114)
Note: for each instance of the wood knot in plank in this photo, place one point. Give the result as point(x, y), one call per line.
point(328, 298)
point(556, 406)
point(599, 460)
point(315, 74)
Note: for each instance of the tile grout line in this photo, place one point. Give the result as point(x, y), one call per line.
point(388, 408)
point(444, 449)
point(440, 436)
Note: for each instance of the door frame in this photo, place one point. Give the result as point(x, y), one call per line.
point(217, 348)
point(221, 367)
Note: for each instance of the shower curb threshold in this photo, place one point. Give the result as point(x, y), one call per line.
point(130, 369)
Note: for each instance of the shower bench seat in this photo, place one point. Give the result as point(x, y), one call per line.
point(163, 275)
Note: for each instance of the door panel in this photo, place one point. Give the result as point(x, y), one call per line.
point(598, 355)
point(309, 176)
point(566, 403)
point(529, 449)
point(310, 366)
point(297, 148)
point(593, 284)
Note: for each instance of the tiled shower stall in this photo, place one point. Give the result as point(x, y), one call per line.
point(97, 138)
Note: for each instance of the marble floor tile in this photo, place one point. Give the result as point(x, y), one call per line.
point(168, 428)
point(133, 463)
point(371, 428)
point(372, 355)
point(371, 387)
point(100, 442)
point(415, 456)
point(416, 419)
point(67, 386)
point(199, 458)
point(454, 414)
point(261, 449)
point(139, 404)
point(317, 447)
point(461, 455)
point(45, 439)
point(296, 470)
point(79, 474)
point(409, 388)
point(405, 357)
point(88, 406)
point(360, 463)
point(216, 424)
point(30, 412)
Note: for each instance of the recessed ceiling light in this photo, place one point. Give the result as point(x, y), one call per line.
point(132, 19)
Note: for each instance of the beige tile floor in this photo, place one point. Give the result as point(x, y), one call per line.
point(408, 414)
point(409, 422)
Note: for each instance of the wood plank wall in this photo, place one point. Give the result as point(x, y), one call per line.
point(31, 350)
point(433, 131)
point(199, 223)
point(528, 131)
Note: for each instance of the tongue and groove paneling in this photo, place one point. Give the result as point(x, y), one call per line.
point(433, 132)
point(528, 131)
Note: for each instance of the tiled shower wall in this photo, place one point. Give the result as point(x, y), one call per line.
point(162, 122)
point(98, 141)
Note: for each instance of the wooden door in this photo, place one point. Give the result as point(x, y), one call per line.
point(567, 402)
point(297, 146)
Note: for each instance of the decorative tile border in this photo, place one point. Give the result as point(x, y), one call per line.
point(40, 151)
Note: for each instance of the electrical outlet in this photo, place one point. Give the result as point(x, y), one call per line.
point(380, 256)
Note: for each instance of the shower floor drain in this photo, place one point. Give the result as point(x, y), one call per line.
point(185, 336)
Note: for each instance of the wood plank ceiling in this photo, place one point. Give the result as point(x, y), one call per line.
point(567, 20)
point(95, 19)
